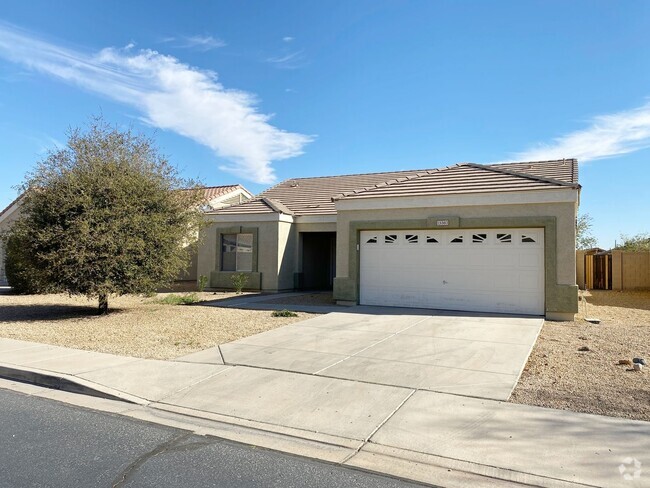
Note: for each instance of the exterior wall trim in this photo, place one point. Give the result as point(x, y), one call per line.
point(560, 195)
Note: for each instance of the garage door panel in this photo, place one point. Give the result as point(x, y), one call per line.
point(499, 270)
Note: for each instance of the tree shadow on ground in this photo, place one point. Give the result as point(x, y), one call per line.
point(623, 299)
point(33, 313)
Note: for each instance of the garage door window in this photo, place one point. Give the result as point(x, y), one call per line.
point(432, 240)
point(457, 240)
point(504, 238)
point(390, 238)
point(411, 238)
point(237, 252)
point(526, 239)
point(479, 238)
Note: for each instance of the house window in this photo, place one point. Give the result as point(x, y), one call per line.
point(237, 252)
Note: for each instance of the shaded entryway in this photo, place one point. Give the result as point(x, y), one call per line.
point(318, 260)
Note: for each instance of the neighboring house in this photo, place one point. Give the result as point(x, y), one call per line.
point(7, 216)
point(488, 238)
point(216, 197)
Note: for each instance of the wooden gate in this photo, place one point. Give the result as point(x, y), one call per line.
point(598, 271)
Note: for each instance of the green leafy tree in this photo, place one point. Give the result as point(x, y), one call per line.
point(639, 242)
point(103, 217)
point(584, 237)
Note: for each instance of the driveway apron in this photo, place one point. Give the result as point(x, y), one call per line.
point(479, 355)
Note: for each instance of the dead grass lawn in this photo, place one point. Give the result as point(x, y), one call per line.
point(558, 375)
point(135, 326)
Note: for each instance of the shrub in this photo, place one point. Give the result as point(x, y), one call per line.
point(23, 276)
point(203, 282)
point(239, 281)
point(179, 299)
point(284, 313)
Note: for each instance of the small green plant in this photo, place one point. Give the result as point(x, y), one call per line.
point(179, 299)
point(239, 281)
point(284, 313)
point(203, 282)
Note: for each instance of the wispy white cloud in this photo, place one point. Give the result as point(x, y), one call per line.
point(200, 43)
point(291, 60)
point(46, 143)
point(606, 135)
point(287, 39)
point(169, 95)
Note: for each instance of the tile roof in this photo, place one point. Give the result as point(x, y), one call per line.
point(316, 196)
point(212, 192)
point(311, 196)
point(461, 178)
point(559, 169)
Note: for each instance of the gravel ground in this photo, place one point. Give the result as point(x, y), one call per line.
point(558, 375)
point(135, 326)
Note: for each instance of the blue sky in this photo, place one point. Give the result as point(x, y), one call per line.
point(256, 92)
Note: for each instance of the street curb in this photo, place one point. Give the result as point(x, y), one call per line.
point(420, 468)
point(65, 382)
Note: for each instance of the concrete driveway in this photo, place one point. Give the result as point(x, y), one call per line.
point(479, 355)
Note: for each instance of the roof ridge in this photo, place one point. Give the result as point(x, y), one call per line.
point(420, 174)
point(277, 206)
point(525, 175)
point(354, 174)
point(247, 202)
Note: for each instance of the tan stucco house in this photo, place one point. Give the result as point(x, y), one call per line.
point(214, 198)
point(487, 238)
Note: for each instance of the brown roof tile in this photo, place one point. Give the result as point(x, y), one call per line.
point(559, 169)
point(462, 178)
point(315, 196)
point(312, 196)
point(211, 192)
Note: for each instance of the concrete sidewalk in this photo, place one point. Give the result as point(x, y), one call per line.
point(437, 438)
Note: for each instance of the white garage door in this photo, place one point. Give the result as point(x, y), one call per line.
point(484, 270)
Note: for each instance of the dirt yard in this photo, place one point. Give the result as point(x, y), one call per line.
point(135, 326)
point(560, 375)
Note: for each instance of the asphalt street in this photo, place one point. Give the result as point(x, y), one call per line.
point(44, 443)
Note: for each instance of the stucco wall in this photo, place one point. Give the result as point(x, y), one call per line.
point(265, 250)
point(580, 269)
point(559, 299)
point(278, 244)
point(287, 250)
